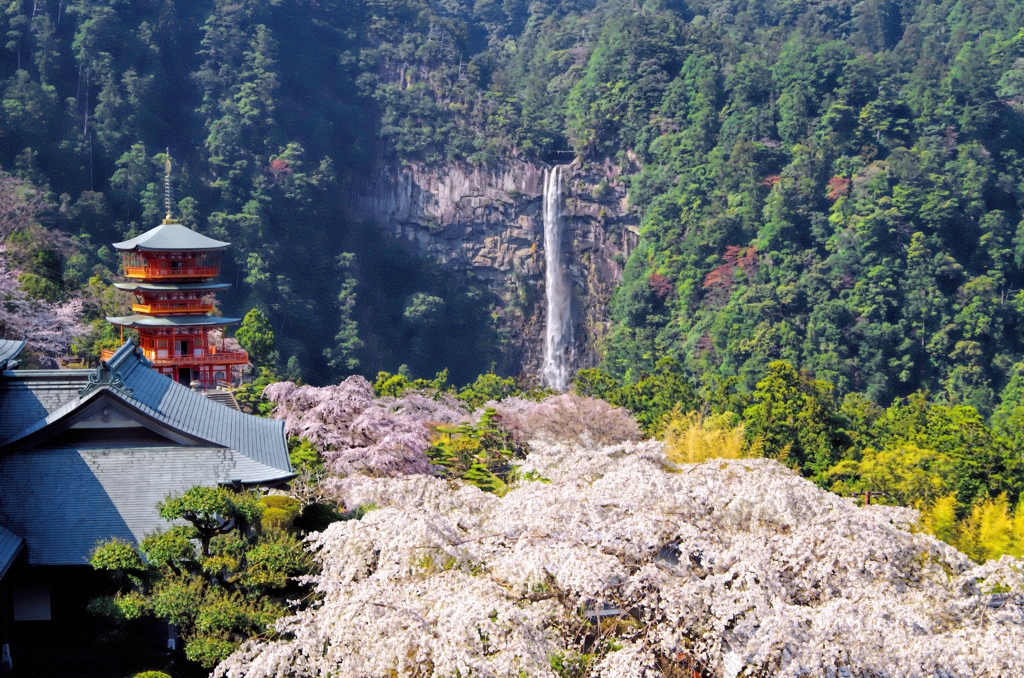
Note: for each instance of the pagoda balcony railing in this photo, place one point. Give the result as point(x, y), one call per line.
point(188, 360)
point(174, 307)
point(157, 273)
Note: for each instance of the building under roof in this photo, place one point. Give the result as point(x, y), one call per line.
point(86, 455)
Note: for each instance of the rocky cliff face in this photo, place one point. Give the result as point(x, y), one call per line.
point(488, 222)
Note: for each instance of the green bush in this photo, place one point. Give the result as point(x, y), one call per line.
point(279, 511)
point(316, 518)
point(151, 674)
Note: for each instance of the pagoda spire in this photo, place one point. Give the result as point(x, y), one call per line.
point(168, 202)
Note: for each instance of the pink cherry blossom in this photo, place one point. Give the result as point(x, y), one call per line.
point(48, 328)
point(357, 432)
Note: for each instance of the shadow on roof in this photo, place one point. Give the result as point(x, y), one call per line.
point(63, 518)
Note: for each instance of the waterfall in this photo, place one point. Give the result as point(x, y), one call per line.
point(558, 334)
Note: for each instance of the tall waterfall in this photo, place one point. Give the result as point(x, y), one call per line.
point(558, 336)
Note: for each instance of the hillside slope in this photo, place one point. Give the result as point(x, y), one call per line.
point(833, 183)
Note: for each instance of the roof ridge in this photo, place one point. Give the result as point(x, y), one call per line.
point(129, 377)
point(121, 354)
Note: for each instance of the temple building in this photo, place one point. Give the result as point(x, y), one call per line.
point(86, 455)
point(171, 269)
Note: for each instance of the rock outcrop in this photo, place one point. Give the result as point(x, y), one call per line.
point(489, 222)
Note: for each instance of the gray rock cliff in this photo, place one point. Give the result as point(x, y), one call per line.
point(488, 223)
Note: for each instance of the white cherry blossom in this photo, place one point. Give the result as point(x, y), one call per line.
point(720, 568)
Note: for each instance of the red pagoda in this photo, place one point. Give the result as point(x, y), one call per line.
point(171, 269)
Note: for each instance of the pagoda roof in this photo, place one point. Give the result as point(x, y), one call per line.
point(171, 287)
point(171, 237)
point(173, 321)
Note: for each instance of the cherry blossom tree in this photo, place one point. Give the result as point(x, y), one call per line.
point(567, 418)
point(619, 564)
point(357, 432)
point(48, 328)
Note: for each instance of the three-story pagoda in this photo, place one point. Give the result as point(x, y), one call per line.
point(171, 270)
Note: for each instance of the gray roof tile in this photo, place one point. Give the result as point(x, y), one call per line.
point(91, 495)
point(172, 321)
point(10, 547)
point(157, 396)
point(10, 348)
point(171, 238)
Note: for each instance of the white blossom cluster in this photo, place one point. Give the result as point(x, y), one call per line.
point(616, 566)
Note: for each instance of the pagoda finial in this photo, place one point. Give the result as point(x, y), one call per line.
point(169, 219)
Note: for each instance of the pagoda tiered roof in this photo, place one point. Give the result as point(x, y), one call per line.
point(171, 287)
point(171, 237)
point(172, 321)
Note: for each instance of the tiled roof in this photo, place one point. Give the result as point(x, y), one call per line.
point(171, 287)
point(26, 396)
point(62, 496)
point(63, 502)
point(171, 238)
point(172, 321)
point(10, 348)
point(10, 547)
point(156, 396)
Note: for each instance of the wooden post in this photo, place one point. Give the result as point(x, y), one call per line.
point(122, 334)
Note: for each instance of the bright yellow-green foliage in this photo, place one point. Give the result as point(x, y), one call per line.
point(905, 474)
point(302, 453)
point(279, 511)
point(691, 438)
point(394, 385)
point(940, 519)
point(989, 531)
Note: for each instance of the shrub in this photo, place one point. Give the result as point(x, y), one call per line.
point(279, 511)
point(692, 438)
point(316, 518)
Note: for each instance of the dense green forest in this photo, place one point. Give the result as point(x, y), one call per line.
point(834, 184)
point(260, 108)
point(830, 194)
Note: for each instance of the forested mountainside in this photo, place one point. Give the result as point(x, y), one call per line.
point(832, 183)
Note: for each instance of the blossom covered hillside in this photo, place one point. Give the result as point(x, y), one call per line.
point(613, 564)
